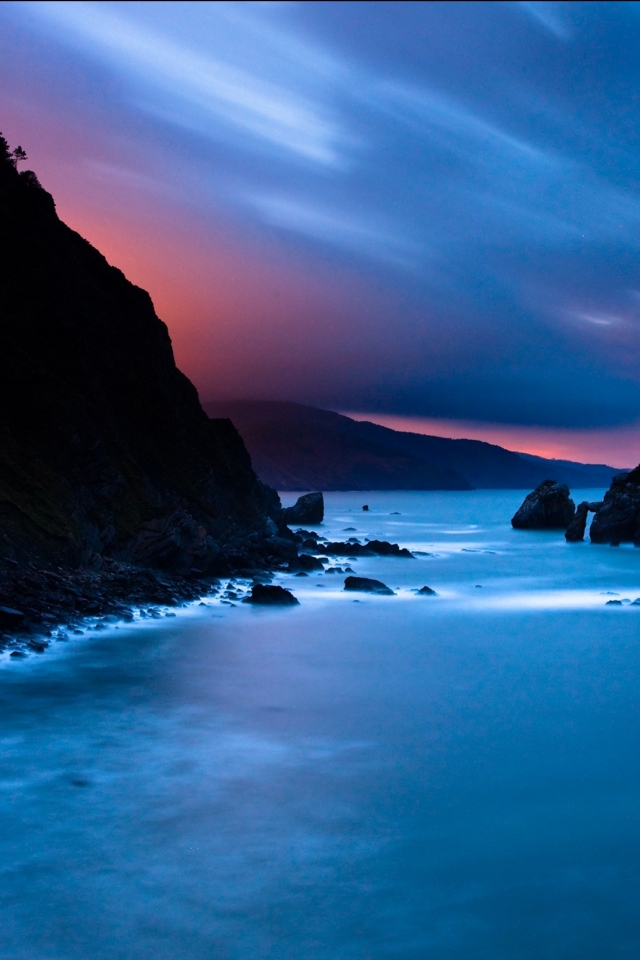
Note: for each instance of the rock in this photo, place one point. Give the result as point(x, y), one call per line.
point(385, 549)
point(38, 645)
point(305, 562)
point(426, 592)
point(174, 543)
point(577, 527)
point(279, 548)
point(380, 548)
point(366, 506)
point(367, 585)
point(271, 596)
point(618, 519)
point(10, 617)
point(575, 530)
point(307, 509)
point(548, 507)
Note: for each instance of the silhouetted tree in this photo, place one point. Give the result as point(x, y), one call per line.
point(19, 155)
point(5, 153)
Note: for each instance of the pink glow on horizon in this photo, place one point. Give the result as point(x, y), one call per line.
point(616, 446)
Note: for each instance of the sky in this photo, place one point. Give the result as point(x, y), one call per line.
point(428, 212)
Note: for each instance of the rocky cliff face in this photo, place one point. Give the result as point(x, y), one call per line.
point(104, 447)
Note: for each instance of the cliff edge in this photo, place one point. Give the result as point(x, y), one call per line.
point(105, 450)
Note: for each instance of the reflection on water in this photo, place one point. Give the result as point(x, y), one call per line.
point(405, 777)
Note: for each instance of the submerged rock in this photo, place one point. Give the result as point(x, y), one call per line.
point(307, 509)
point(271, 596)
point(618, 519)
point(367, 585)
point(548, 507)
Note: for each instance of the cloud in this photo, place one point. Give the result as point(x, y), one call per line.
point(547, 15)
point(429, 111)
point(205, 88)
point(356, 235)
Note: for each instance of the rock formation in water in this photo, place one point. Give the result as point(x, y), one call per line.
point(548, 507)
point(576, 529)
point(268, 596)
point(618, 519)
point(367, 585)
point(105, 451)
point(307, 509)
point(371, 548)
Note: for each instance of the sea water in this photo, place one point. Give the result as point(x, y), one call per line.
point(450, 776)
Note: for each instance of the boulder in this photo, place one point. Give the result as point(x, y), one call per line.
point(548, 507)
point(618, 519)
point(367, 585)
point(271, 596)
point(305, 562)
point(307, 509)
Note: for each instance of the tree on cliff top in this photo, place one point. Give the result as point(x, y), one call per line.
point(14, 157)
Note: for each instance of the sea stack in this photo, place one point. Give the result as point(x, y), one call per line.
point(548, 507)
point(307, 509)
point(618, 519)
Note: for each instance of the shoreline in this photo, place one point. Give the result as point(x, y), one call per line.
point(43, 605)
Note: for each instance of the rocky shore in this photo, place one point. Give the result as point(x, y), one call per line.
point(38, 602)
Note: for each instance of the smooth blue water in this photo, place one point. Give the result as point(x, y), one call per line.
point(404, 777)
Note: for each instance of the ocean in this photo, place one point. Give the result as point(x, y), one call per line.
point(451, 777)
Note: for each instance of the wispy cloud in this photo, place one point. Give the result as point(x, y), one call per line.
point(546, 14)
point(598, 319)
point(429, 112)
point(208, 87)
point(352, 233)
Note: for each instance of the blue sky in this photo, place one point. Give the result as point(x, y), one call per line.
point(444, 196)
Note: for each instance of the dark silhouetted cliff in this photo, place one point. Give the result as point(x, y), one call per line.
point(104, 447)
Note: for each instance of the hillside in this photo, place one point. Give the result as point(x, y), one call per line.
point(104, 447)
point(296, 447)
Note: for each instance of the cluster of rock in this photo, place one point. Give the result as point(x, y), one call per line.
point(616, 517)
point(35, 601)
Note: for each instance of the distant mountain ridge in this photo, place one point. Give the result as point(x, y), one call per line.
point(297, 447)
